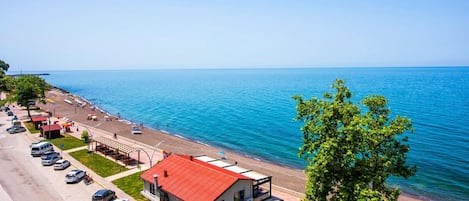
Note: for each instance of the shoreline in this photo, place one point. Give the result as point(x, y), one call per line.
point(130, 122)
point(287, 179)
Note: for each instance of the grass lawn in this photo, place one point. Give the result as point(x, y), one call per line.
point(102, 166)
point(68, 141)
point(131, 185)
point(30, 126)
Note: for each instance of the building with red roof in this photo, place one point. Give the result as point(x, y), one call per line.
point(50, 131)
point(182, 177)
point(38, 121)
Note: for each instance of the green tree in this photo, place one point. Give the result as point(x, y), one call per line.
point(85, 136)
point(351, 153)
point(3, 79)
point(28, 88)
point(3, 68)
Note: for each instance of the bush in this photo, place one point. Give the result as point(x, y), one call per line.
point(85, 136)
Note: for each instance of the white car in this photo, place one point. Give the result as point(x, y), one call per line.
point(74, 176)
point(61, 164)
point(136, 130)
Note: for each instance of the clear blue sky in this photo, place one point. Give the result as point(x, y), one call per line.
point(65, 35)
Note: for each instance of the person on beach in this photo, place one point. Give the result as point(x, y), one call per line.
point(115, 136)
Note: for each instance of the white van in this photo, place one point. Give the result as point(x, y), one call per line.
point(40, 148)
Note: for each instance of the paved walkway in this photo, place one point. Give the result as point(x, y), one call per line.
point(147, 153)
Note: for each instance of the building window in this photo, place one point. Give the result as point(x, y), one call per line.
point(239, 196)
point(152, 188)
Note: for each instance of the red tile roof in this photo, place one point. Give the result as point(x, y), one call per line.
point(192, 179)
point(52, 127)
point(36, 119)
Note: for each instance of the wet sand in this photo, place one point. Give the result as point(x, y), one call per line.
point(284, 179)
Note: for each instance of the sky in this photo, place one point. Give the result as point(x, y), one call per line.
point(72, 35)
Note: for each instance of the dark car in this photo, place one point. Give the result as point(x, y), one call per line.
point(10, 113)
point(104, 195)
point(16, 129)
point(48, 154)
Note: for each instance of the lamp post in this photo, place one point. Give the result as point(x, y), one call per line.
point(49, 127)
point(154, 150)
point(90, 138)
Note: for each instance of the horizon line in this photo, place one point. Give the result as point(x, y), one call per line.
point(241, 68)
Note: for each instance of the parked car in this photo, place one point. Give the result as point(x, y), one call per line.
point(104, 195)
point(74, 176)
point(37, 142)
point(16, 129)
point(49, 153)
point(136, 130)
point(50, 160)
point(4, 108)
point(10, 113)
point(37, 149)
point(61, 164)
point(12, 127)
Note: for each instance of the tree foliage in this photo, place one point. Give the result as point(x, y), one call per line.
point(28, 88)
point(3, 68)
point(351, 153)
point(3, 79)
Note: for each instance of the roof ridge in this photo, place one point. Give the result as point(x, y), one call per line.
point(214, 167)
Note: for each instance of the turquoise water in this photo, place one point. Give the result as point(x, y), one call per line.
point(251, 111)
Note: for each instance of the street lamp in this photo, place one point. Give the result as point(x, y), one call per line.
point(90, 138)
point(49, 127)
point(154, 150)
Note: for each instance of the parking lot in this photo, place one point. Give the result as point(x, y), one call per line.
point(24, 178)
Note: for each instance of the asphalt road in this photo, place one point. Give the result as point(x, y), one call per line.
point(22, 177)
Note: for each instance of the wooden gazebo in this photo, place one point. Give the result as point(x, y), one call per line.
point(115, 149)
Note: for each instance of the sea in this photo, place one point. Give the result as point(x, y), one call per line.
point(251, 111)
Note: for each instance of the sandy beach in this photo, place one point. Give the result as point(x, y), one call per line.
point(284, 179)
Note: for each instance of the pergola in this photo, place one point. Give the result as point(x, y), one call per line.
point(116, 146)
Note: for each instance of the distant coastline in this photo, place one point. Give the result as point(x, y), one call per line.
point(26, 74)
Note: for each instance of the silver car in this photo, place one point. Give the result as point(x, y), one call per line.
point(74, 176)
point(49, 154)
point(50, 160)
point(61, 164)
point(16, 129)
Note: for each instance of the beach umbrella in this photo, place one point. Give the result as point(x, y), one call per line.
point(222, 154)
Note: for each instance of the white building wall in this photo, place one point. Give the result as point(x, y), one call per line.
point(245, 185)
